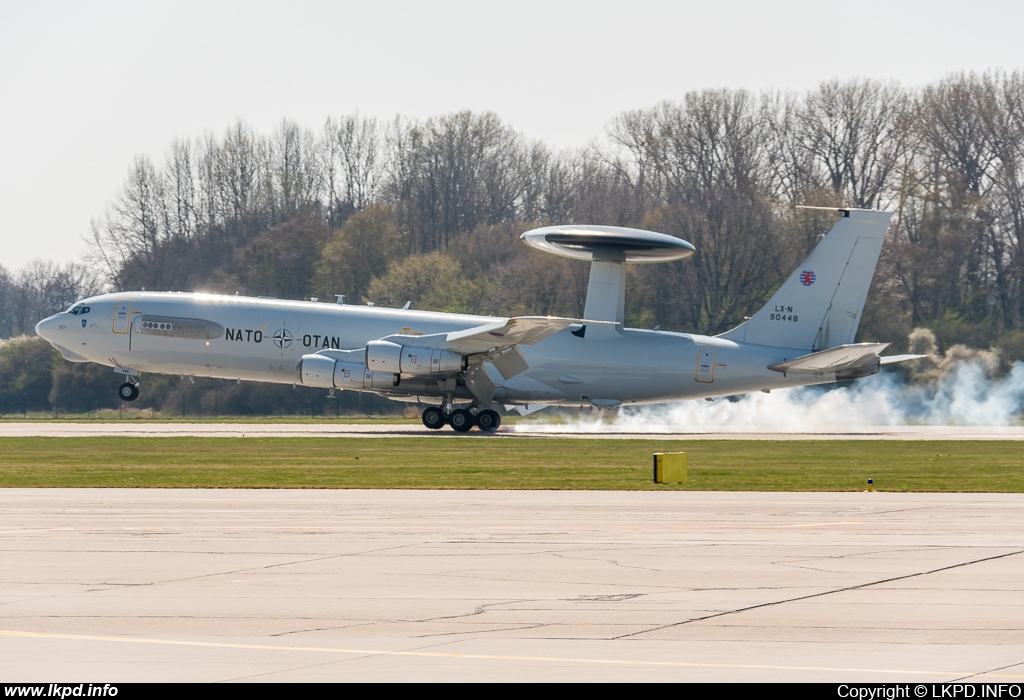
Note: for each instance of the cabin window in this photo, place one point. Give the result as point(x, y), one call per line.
point(183, 328)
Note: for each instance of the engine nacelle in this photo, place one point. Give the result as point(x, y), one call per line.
point(323, 371)
point(349, 375)
point(317, 370)
point(385, 356)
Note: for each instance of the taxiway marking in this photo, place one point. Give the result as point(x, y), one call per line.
point(494, 657)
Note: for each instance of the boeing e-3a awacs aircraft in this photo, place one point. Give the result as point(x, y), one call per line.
point(466, 366)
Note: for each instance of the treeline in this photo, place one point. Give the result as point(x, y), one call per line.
point(430, 211)
point(41, 289)
point(35, 379)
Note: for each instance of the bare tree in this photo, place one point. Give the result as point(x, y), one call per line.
point(358, 141)
point(181, 180)
point(1004, 122)
point(7, 305)
point(43, 288)
point(793, 177)
point(128, 237)
point(632, 160)
point(455, 172)
point(857, 132)
point(238, 175)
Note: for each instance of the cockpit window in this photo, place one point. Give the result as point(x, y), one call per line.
point(79, 309)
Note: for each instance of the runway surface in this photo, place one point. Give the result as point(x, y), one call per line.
point(110, 585)
point(414, 429)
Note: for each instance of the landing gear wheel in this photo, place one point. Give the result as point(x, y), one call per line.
point(128, 391)
point(433, 418)
point(461, 420)
point(488, 420)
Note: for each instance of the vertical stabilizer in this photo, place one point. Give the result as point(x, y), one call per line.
point(819, 306)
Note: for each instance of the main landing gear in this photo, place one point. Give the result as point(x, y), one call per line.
point(434, 418)
point(128, 391)
point(462, 420)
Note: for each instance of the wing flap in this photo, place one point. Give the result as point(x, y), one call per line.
point(508, 360)
point(479, 384)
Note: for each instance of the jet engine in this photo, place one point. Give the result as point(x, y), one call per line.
point(385, 356)
point(385, 363)
point(326, 372)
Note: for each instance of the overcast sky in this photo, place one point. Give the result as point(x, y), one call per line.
point(86, 86)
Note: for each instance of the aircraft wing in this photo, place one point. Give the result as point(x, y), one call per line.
point(832, 360)
point(498, 341)
point(523, 330)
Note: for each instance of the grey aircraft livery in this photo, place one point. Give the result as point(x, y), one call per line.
point(465, 367)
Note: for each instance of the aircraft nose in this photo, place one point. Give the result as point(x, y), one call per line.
point(46, 329)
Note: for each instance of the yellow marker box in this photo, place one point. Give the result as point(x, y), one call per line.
point(669, 467)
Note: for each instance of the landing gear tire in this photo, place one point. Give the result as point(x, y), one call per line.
point(128, 391)
point(488, 420)
point(433, 418)
point(461, 420)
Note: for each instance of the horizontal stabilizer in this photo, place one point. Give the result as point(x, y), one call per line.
point(832, 360)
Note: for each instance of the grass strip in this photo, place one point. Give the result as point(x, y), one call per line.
point(514, 463)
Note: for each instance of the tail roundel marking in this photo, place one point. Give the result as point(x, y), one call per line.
point(807, 278)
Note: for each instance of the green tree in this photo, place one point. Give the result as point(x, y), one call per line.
point(433, 282)
point(280, 261)
point(26, 374)
point(86, 386)
point(357, 252)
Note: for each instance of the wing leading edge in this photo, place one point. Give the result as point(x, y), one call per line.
point(521, 330)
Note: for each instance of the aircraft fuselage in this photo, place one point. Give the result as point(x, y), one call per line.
point(232, 337)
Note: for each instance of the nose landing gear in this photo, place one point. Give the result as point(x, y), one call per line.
point(128, 391)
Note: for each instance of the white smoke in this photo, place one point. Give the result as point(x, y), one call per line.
point(960, 388)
